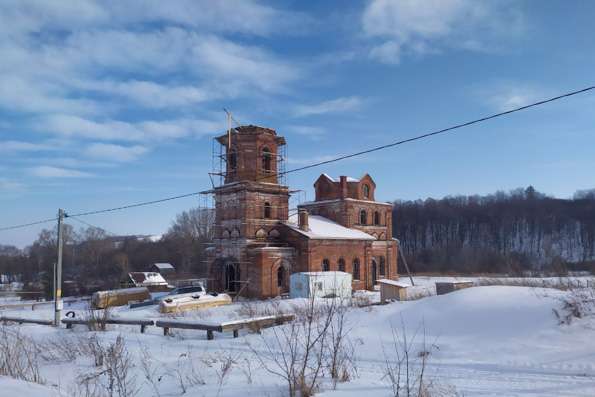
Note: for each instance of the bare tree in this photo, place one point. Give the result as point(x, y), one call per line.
point(297, 352)
point(188, 235)
point(406, 361)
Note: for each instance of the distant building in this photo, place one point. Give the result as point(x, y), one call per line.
point(164, 269)
point(258, 245)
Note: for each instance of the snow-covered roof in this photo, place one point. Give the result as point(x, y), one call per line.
point(396, 283)
point(324, 228)
point(349, 179)
point(325, 274)
point(147, 278)
point(455, 282)
point(163, 266)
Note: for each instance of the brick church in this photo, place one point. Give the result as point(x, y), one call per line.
point(259, 241)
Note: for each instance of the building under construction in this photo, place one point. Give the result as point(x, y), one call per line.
point(259, 243)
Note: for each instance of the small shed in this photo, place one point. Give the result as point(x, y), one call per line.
point(445, 287)
point(164, 269)
point(392, 290)
point(320, 285)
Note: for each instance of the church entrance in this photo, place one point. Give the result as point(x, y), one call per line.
point(232, 277)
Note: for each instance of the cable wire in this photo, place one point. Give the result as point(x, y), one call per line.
point(344, 157)
point(89, 224)
point(136, 205)
point(438, 132)
point(28, 224)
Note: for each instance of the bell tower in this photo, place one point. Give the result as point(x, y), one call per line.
point(251, 154)
point(249, 206)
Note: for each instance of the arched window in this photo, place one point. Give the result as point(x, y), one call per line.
point(366, 191)
point(267, 210)
point(356, 269)
point(326, 265)
point(363, 217)
point(341, 264)
point(376, 218)
point(274, 233)
point(382, 266)
point(266, 160)
point(280, 277)
point(374, 271)
point(232, 159)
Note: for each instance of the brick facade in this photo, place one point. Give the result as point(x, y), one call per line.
point(256, 250)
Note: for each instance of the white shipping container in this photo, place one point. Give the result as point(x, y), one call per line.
point(320, 285)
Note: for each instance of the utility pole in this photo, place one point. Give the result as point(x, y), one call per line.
point(404, 261)
point(58, 278)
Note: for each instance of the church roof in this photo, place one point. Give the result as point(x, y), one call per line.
point(322, 228)
point(349, 178)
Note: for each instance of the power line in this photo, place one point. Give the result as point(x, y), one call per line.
point(344, 157)
point(438, 132)
point(28, 224)
point(135, 205)
point(89, 224)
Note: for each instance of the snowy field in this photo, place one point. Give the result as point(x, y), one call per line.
point(482, 341)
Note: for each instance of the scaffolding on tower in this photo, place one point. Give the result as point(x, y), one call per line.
point(220, 155)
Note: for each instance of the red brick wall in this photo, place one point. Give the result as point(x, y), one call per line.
point(347, 213)
point(311, 252)
point(248, 145)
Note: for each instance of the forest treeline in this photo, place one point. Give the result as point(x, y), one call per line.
point(508, 232)
point(514, 232)
point(94, 259)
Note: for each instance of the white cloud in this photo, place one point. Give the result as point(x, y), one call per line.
point(237, 16)
point(242, 65)
point(26, 94)
point(47, 171)
point(55, 58)
point(74, 126)
point(337, 105)
point(312, 132)
point(8, 185)
point(20, 146)
point(151, 95)
point(111, 152)
point(427, 26)
point(387, 52)
point(509, 96)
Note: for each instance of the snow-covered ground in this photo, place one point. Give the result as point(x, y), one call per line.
point(483, 341)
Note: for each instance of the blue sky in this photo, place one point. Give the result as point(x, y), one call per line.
point(104, 103)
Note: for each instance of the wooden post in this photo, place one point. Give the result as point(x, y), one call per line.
point(210, 335)
point(142, 329)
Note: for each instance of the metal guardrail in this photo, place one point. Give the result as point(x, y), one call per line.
point(5, 319)
point(255, 324)
point(118, 321)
